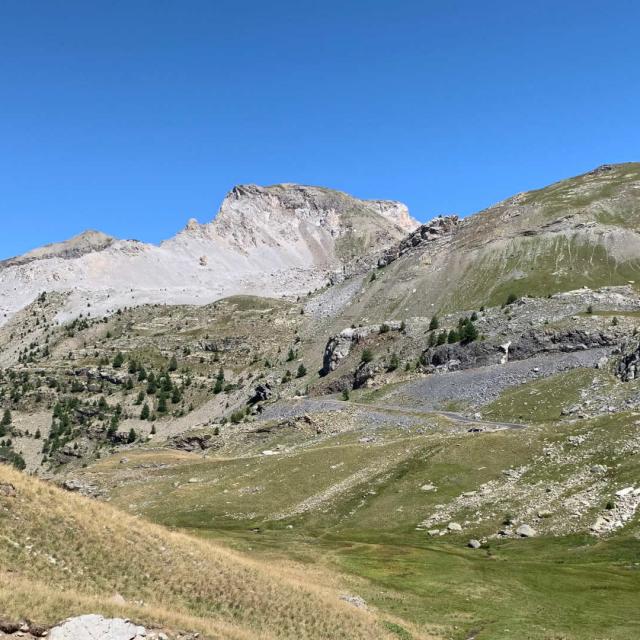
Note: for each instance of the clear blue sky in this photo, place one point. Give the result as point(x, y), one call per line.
point(132, 116)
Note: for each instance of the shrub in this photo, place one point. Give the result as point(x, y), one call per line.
point(367, 356)
point(302, 371)
point(345, 394)
point(173, 364)
point(118, 361)
point(453, 336)
point(434, 324)
point(511, 298)
point(237, 416)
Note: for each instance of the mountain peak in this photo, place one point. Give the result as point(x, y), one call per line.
point(88, 241)
point(248, 204)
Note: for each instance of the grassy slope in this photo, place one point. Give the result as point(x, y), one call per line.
point(493, 254)
point(61, 555)
point(548, 587)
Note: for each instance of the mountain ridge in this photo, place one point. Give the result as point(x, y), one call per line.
point(280, 240)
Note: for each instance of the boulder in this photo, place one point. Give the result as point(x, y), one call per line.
point(97, 628)
point(454, 526)
point(193, 442)
point(525, 531)
point(7, 490)
point(474, 544)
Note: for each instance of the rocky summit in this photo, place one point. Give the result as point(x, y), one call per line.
point(281, 240)
point(315, 417)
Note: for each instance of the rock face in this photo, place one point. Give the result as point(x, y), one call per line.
point(262, 393)
point(269, 241)
point(529, 344)
point(629, 364)
point(339, 347)
point(96, 627)
point(433, 230)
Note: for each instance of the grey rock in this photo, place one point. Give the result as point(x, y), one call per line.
point(474, 544)
point(356, 601)
point(7, 490)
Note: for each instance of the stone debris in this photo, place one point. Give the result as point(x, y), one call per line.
point(623, 509)
point(356, 601)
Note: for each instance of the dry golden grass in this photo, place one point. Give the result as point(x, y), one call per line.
point(62, 555)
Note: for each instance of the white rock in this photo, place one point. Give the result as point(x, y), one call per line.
point(624, 492)
point(454, 526)
point(95, 627)
point(525, 531)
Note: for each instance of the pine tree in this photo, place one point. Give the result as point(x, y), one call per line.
point(453, 336)
point(118, 361)
point(469, 332)
point(6, 418)
point(162, 403)
point(442, 338)
point(302, 371)
point(434, 324)
point(133, 436)
point(144, 414)
point(394, 363)
point(173, 364)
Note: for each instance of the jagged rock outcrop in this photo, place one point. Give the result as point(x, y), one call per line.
point(364, 372)
point(339, 347)
point(532, 343)
point(261, 393)
point(193, 442)
point(433, 230)
point(628, 367)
